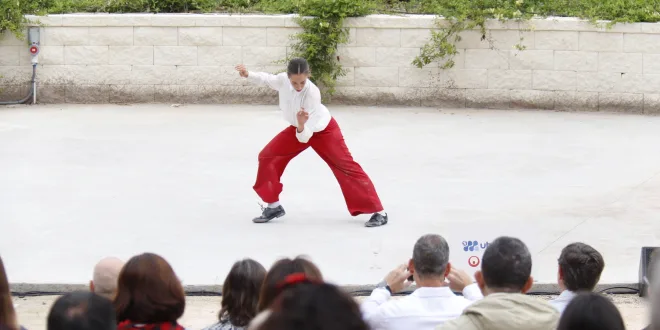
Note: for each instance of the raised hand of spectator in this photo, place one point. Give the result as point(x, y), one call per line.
point(458, 279)
point(397, 279)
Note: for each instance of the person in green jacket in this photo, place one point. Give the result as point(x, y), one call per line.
point(504, 278)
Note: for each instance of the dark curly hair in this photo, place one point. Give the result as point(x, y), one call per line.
point(581, 266)
point(240, 292)
point(279, 272)
point(314, 306)
point(591, 311)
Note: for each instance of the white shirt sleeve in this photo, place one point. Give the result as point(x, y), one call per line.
point(266, 79)
point(472, 292)
point(370, 307)
point(311, 104)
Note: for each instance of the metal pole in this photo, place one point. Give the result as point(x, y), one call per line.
point(34, 87)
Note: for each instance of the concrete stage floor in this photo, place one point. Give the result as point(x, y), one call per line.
point(80, 182)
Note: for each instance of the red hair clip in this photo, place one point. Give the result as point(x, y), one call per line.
point(293, 279)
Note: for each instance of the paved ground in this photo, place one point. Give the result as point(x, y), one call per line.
point(78, 183)
point(202, 311)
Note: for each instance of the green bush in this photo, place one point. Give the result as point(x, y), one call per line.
point(132, 6)
point(464, 15)
point(612, 10)
point(161, 6)
point(75, 6)
point(12, 14)
point(276, 6)
point(617, 11)
point(170, 6)
point(321, 35)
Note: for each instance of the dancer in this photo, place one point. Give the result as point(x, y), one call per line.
point(311, 126)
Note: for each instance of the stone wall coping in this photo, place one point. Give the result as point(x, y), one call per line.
point(45, 289)
point(371, 21)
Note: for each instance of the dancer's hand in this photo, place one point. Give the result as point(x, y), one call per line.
point(398, 279)
point(242, 70)
point(302, 117)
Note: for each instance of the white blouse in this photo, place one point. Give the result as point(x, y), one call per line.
point(291, 101)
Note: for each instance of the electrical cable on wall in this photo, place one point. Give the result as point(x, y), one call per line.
point(33, 39)
point(31, 95)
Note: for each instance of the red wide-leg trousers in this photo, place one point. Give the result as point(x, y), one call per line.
point(358, 190)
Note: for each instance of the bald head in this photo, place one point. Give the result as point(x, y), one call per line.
point(105, 276)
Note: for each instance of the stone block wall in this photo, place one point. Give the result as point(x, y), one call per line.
point(567, 64)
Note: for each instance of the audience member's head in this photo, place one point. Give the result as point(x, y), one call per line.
point(314, 306)
point(278, 273)
point(240, 292)
point(82, 311)
point(104, 280)
point(506, 266)
point(430, 259)
point(580, 267)
point(7, 313)
point(591, 311)
point(149, 291)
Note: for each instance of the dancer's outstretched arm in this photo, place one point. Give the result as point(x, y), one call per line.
point(261, 78)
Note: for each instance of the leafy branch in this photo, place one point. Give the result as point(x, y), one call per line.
point(322, 22)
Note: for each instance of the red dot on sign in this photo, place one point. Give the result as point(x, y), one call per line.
point(474, 261)
point(34, 50)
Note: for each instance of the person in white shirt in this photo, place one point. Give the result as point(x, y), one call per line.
point(311, 125)
point(433, 302)
point(580, 266)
